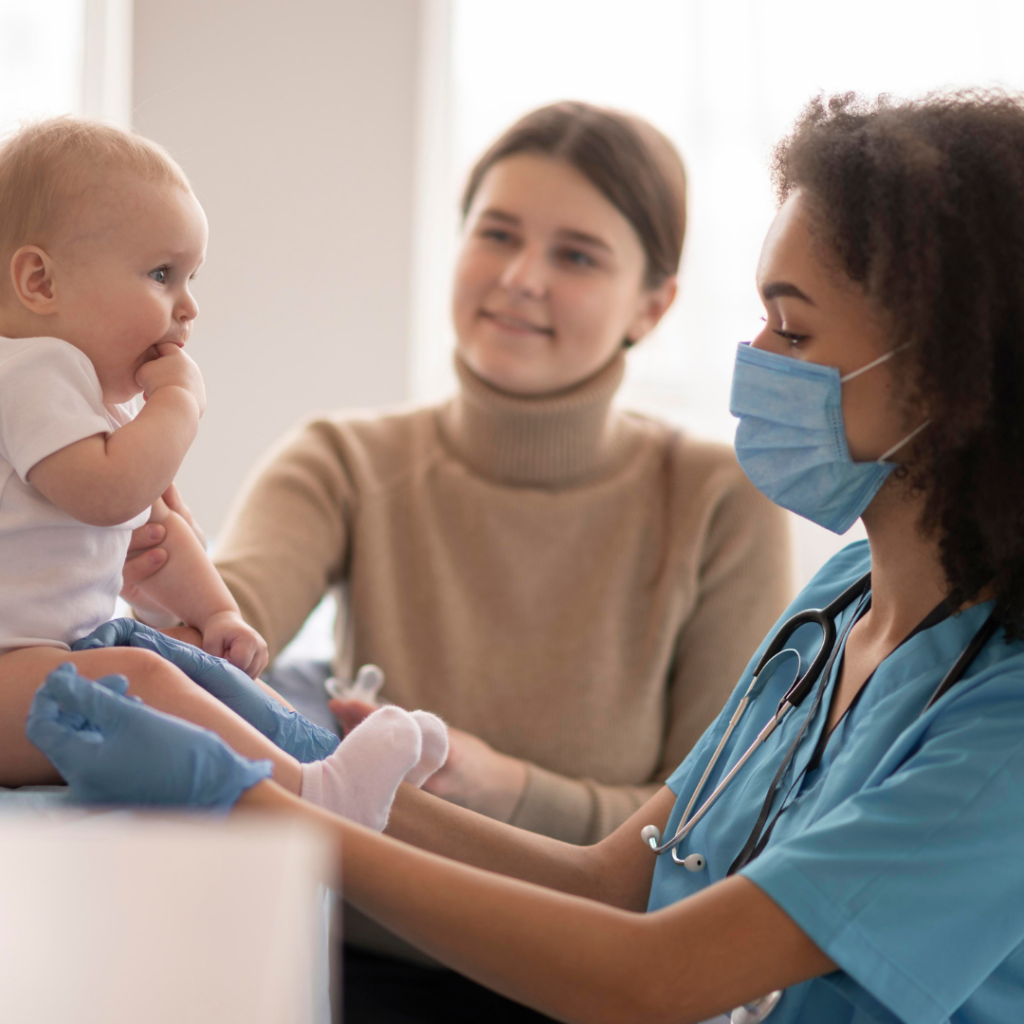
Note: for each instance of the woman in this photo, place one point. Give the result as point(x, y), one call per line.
point(884, 882)
point(573, 588)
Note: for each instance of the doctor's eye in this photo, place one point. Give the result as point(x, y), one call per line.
point(793, 339)
point(160, 274)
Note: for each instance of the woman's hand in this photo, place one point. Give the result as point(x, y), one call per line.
point(143, 560)
point(145, 557)
point(475, 775)
point(478, 777)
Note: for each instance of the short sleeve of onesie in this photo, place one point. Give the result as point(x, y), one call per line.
point(915, 885)
point(49, 398)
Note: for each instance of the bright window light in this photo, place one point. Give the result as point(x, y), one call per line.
point(723, 79)
point(41, 54)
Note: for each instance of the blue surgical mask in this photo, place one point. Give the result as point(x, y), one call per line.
point(791, 440)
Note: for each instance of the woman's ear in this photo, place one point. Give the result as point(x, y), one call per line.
point(32, 279)
point(654, 304)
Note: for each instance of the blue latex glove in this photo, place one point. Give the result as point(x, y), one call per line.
point(231, 686)
point(112, 749)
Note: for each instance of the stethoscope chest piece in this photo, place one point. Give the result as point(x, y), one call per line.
point(757, 1011)
point(786, 665)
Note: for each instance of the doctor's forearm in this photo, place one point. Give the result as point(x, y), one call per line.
point(577, 960)
point(617, 871)
point(572, 958)
point(433, 824)
point(569, 957)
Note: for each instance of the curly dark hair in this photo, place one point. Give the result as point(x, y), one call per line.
point(922, 203)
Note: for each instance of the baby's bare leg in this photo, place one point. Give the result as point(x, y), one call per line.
point(159, 683)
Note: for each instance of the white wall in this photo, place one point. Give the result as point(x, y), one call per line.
point(296, 123)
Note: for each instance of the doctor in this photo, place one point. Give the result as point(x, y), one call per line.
point(864, 864)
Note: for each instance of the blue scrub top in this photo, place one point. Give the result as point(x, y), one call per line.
point(902, 854)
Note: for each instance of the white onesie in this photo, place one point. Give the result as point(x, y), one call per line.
point(59, 578)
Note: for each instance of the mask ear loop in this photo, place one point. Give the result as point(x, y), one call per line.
point(870, 366)
point(899, 444)
point(874, 363)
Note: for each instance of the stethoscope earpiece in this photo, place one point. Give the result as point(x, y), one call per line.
point(692, 861)
point(651, 835)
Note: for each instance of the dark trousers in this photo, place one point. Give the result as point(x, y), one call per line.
point(381, 990)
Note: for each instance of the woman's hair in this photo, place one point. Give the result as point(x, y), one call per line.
point(922, 203)
point(626, 159)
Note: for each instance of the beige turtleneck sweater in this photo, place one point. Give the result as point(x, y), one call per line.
point(576, 585)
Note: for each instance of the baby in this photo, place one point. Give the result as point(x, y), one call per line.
point(100, 239)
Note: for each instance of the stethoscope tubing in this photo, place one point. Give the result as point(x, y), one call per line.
point(824, 618)
point(686, 823)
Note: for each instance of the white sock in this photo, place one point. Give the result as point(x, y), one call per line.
point(435, 747)
point(360, 779)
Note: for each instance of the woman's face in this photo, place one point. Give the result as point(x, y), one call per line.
point(817, 314)
point(549, 280)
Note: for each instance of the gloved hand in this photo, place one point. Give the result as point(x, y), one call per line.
point(291, 732)
point(115, 750)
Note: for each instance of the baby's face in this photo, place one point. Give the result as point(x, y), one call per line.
point(124, 277)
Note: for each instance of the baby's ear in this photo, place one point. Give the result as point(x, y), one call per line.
point(32, 280)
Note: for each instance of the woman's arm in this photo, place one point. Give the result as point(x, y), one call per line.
point(570, 957)
point(745, 583)
point(286, 538)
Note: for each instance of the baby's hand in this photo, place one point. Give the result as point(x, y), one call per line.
point(226, 635)
point(172, 368)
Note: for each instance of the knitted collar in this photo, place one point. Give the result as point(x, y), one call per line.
point(565, 438)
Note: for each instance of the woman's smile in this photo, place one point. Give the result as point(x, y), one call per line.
point(512, 324)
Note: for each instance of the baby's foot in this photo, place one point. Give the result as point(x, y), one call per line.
point(435, 747)
point(360, 779)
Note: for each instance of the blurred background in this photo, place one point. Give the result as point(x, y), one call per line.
point(328, 141)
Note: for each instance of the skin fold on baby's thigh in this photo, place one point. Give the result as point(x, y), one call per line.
point(156, 681)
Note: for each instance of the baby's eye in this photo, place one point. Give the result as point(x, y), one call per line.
point(160, 275)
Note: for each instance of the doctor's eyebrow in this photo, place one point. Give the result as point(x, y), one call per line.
point(778, 289)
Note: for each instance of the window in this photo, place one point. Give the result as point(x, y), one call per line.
point(65, 57)
point(723, 80)
point(41, 58)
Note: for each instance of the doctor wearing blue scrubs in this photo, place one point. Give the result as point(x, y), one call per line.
point(864, 862)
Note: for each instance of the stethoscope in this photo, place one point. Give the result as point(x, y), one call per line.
point(777, 659)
